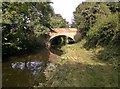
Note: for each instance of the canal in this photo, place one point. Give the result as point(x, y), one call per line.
point(28, 70)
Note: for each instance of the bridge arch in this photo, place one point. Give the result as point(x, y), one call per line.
point(56, 39)
point(61, 35)
point(72, 34)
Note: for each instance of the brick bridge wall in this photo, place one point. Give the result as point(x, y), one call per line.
point(70, 32)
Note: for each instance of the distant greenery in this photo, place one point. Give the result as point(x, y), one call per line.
point(24, 22)
point(58, 22)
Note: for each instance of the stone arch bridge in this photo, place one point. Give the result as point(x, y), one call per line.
point(72, 33)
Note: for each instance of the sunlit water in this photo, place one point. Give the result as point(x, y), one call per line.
point(27, 70)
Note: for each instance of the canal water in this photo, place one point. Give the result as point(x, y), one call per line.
point(28, 70)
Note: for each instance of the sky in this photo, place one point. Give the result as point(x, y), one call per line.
point(66, 8)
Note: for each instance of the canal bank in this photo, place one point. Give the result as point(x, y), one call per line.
point(70, 66)
point(79, 67)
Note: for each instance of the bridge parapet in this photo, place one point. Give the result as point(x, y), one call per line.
point(70, 32)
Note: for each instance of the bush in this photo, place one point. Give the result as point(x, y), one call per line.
point(104, 31)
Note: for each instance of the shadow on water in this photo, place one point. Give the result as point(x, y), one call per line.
point(27, 70)
point(57, 51)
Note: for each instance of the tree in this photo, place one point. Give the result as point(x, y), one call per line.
point(22, 24)
point(57, 21)
point(104, 31)
point(98, 22)
point(87, 14)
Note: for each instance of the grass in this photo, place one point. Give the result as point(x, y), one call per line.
point(79, 67)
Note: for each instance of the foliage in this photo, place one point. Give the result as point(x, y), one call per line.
point(25, 22)
point(114, 7)
point(98, 21)
point(87, 14)
point(104, 31)
point(79, 67)
point(22, 23)
point(57, 21)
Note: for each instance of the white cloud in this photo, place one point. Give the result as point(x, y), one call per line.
point(66, 7)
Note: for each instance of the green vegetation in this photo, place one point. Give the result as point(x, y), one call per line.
point(24, 23)
point(99, 24)
point(79, 67)
point(21, 25)
point(104, 30)
point(96, 16)
point(92, 62)
point(58, 22)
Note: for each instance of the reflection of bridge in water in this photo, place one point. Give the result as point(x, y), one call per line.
point(71, 33)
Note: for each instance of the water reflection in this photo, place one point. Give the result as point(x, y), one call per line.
point(24, 74)
point(19, 65)
point(34, 67)
point(27, 70)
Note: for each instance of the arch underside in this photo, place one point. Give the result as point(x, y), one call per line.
point(54, 39)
